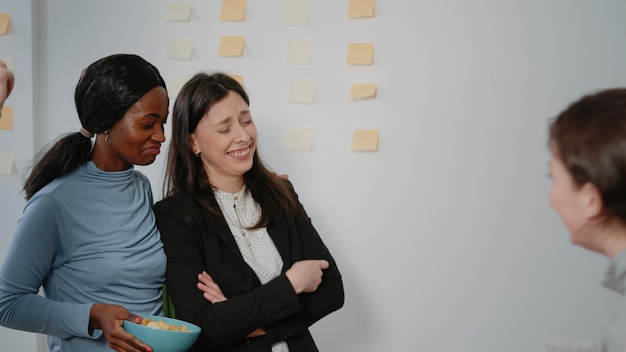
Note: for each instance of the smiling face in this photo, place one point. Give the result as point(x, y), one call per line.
point(226, 140)
point(136, 138)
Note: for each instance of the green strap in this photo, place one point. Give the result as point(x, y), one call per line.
point(168, 306)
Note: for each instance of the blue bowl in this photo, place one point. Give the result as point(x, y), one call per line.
point(164, 340)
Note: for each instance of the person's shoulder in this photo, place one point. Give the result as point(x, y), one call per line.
point(50, 196)
point(290, 187)
point(169, 204)
point(288, 184)
point(165, 202)
point(141, 176)
point(59, 187)
point(143, 181)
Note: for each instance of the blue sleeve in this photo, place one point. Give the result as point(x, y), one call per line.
point(34, 252)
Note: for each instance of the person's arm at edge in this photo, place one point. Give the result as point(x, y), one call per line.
point(25, 268)
point(7, 81)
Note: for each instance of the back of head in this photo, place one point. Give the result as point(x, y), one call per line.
point(105, 91)
point(589, 137)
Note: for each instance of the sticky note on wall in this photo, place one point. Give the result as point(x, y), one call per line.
point(6, 120)
point(299, 139)
point(296, 13)
point(233, 10)
point(238, 78)
point(360, 54)
point(178, 12)
point(302, 91)
point(5, 20)
point(299, 51)
point(365, 140)
point(9, 62)
point(174, 86)
point(180, 49)
point(361, 91)
point(361, 8)
point(231, 46)
point(7, 163)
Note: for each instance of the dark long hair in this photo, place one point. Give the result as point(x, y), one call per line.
point(589, 137)
point(185, 177)
point(105, 91)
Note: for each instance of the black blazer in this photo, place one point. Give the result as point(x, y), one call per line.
point(192, 248)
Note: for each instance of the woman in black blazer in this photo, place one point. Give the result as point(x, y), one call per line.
point(244, 261)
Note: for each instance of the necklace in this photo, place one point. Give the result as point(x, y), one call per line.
point(236, 197)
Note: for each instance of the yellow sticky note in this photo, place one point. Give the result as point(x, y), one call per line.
point(365, 140)
point(302, 91)
point(299, 51)
point(9, 62)
point(231, 46)
point(238, 78)
point(299, 139)
point(360, 54)
point(296, 13)
point(7, 163)
point(5, 20)
point(361, 8)
point(360, 91)
point(174, 86)
point(6, 120)
point(233, 10)
point(180, 49)
point(178, 12)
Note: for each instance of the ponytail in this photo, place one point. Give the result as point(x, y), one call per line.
point(67, 154)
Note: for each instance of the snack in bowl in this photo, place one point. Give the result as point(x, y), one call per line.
point(164, 334)
point(160, 324)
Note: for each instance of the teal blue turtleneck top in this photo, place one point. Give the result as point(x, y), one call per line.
point(87, 237)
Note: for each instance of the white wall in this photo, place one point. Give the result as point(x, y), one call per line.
point(444, 236)
point(19, 45)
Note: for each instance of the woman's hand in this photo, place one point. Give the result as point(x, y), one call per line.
point(109, 318)
point(211, 291)
point(306, 275)
point(6, 82)
point(256, 333)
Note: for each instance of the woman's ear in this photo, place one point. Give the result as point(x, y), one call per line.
point(193, 145)
point(591, 199)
